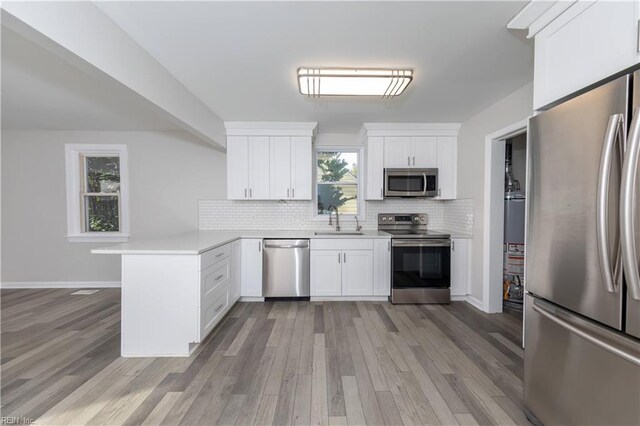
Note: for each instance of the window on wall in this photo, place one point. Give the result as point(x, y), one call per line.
point(337, 181)
point(97, 193)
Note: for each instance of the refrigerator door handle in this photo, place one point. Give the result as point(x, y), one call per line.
point(580, 330)
point(628, 208)
point(615, 130)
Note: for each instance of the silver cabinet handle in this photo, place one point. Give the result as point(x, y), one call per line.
point(414, 160)
point(259, 245)
point(585, 334)
point(219, 307)
point(380, 192)
point(338, 257)
point(439, 192)
point(389, 245)
point(453, 245)
point(219, 276)
point(220, 254)
point(287, 192)
point(250, 193)
point(408, 161)
point(345, 257)
point(627, 208)
point(245, 193)
point(293, 193)
point(614, 128)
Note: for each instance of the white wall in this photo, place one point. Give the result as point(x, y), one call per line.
point(471, 151)
point(169, 172)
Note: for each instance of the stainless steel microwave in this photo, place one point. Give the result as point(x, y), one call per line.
point(410, 182)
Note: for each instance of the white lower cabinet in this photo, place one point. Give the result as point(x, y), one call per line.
point(326, 273)
point(460, 257)
point(251, 275)
point(235, 270)
point(357, 273)
point(346, 267)
point(382, 268)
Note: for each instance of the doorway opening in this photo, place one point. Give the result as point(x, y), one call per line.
point(504, 217)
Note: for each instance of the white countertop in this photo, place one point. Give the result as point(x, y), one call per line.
point(200, 241)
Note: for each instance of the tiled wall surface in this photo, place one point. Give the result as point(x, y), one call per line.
point(455, 215)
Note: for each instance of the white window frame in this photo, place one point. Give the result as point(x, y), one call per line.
point(73, 157)
point(314, 205)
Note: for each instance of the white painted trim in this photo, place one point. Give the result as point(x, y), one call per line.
point(459, 298)
point(73, 185)
point(528, 15)
point(267, 128)
point(492, 253)
point(60, 284)
point(409, 129)
point(349, 298)
point(475, 303)
point(251, 299)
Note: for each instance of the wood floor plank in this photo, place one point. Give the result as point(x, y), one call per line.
point(266, 363)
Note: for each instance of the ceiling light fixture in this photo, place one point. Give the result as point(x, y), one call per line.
point(386, 83)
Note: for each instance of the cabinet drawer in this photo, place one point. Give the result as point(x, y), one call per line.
point(213, 278)
point(211, 313)
point(341, 244)
point(208, 258)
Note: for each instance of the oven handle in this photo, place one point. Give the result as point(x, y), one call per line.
point(421, 243)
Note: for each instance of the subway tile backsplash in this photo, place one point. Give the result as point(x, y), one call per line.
point(455, 215)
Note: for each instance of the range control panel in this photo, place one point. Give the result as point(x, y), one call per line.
point(402, 219)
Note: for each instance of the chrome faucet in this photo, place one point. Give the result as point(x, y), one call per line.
point(358, 227)
point(337, 217)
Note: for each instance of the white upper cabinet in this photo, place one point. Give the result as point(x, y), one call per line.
point(280, 174)
point(410, 145)
point(424, 152)
point(374, 158)
point(397, 152)
point(269, 161)
point(447, 158)
point(579, 44)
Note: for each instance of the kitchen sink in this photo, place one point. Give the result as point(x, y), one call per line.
point(339, 233)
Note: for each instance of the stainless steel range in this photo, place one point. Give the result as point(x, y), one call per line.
point(420, 259)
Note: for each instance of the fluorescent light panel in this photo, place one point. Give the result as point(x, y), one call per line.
point(385, 83)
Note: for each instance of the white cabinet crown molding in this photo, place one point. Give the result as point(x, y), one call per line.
point(537, 14)
point(409, 129)
point(270, 128)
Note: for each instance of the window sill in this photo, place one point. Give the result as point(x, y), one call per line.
point(93, 238)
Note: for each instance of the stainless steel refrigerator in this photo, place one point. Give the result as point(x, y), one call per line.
point(582, 310)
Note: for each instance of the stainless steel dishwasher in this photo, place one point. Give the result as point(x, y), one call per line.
point(285, 268)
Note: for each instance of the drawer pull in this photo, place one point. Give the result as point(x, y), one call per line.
point(219, 276)
point(220, 254)
point(219, 307)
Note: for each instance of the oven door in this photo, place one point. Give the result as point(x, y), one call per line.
point(421, 263)
point(410, 182)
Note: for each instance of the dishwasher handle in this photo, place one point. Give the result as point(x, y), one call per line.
point(286, 246)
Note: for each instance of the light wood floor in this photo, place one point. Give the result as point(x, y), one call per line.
point(266, 363)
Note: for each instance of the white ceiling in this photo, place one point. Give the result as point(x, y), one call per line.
point(40, 91)
point(240, 58)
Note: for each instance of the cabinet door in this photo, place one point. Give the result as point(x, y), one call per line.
point(382, 268)
point(237, 168)
point(459, 267)
point(397, 151)
point(236, 270)
point(424, 151)
point(280, 167)
point(258, 167)
point(251, 285)
point(588, 42)
point(301, 168)
point(326, 273)
point(357, 273)
point(375, 168)
point(447, 167)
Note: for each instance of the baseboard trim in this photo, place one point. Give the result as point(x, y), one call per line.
point(349, 298)
point(59, 284)
point(475, 303)
point(459, 298)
